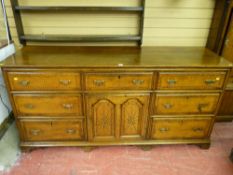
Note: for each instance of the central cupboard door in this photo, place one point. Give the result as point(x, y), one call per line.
point(117, 116)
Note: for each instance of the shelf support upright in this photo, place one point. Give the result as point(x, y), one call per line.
point(18, 21)
point(141, 25)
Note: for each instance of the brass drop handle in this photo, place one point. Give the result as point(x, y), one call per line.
point(65, 82)
point(67, 106)
point(201, 106)
point(99, 82)
point(24, 82)
point(138, 82)
point(163, 129)
point(70, 131)
point(209, 82)
point(168, 106)
point(29, 106)
point(35, 132)
point(171, 82)
point(198, 129)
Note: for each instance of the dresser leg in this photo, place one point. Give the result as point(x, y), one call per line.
point(204, 146)
point(88, 148)
point(145, 147)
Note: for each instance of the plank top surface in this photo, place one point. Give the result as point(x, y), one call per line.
point(114, 57)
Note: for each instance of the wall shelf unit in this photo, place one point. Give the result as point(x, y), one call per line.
point(78, 8)
point(76, 38)
point(24, 38)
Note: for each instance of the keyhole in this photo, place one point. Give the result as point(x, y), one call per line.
point(119, 76)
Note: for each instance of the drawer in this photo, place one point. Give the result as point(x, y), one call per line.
point(186, 103)
point(39, 81)
point(54, 130)
point(181, 128)
point(48, 105)
point(191, 80)
point(118, 81)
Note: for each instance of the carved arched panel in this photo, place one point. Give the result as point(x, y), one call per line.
point(104, 119)
point(131, 118)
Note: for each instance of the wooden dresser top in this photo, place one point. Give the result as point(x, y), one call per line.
point(114, 57)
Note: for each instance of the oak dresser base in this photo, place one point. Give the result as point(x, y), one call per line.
point(115, 96)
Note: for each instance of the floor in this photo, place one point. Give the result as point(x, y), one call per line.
point(9, 150)
point(161, 160)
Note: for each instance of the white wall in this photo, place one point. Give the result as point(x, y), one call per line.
point(4, 53)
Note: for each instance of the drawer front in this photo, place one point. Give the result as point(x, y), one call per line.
point(186, 103)
point(48, 105)
point(180, 128)
point(60, 130)
point(118, 81)
point(191, 80)
point(39, 81)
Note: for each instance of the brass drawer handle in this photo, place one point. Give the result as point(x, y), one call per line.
point(198, 129)
point(24, 82)
point(65, 82)
point(68, 106)
point(171, 82)
point(138, 82)
point(168, 106)
point(209, 82)
point(163, 129)
point(29, 106)
point(201, 106)
point(70, 131)
point(35, 132)
point(99, 82)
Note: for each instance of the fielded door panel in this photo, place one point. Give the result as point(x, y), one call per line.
point(117, 116)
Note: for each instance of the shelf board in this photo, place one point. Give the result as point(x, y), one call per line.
point(78, 8)
point(79, 38)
